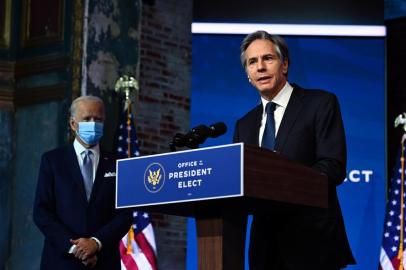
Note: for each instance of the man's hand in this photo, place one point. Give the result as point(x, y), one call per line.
point(85, 248)
point(91, 261)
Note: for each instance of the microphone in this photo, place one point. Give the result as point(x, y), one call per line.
point(198, 135)
point(217, 129)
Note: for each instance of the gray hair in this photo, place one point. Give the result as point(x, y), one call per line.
point(75, 102)
point(280, 45)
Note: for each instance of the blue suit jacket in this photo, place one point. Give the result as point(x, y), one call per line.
point(311, 133)
point(62, 212)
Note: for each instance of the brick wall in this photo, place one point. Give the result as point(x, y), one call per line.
point(164, 103)
point(165, 71)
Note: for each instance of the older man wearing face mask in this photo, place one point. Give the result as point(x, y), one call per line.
point(75, 198)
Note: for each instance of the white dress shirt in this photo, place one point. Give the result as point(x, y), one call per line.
point(80, 154)
point(281, 100)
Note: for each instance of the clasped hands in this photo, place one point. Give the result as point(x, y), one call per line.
point(85, 250)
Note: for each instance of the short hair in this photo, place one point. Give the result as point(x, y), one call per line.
point(280, 45)
point(75, 102)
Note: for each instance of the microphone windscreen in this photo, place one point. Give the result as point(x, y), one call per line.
point(217, 129)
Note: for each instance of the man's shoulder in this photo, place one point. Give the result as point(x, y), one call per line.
point(252, 114)
point(311, 92)
point(59, 151)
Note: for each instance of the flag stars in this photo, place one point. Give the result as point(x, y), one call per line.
point(398, 181)
point(394, 249)
point(119, 149)
point(396, 191)
point(389, 223)
point(391, 213)
point(396, 238)
point(386, 234)
point(145, 215)
point(394, 202)
point(398, 228)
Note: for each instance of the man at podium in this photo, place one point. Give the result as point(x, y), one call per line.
point(306, 126)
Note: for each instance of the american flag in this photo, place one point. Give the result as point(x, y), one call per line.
point(392, 250)
point(137, 247)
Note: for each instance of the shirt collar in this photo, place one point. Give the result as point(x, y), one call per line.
point(282, 98)
point(79, 148)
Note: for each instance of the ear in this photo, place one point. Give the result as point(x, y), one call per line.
point(72, 124)
point(285, 66)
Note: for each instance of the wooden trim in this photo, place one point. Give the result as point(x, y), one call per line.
point(41, 64)
point(35, 95)
point(6, 99)
point(30, 96)
point(5, 29)
point(36, 65)
point(7, 66)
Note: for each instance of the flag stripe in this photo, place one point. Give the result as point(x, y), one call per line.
point(147, 249)
point(127, 259)
point(386, 264)
point(149, 235)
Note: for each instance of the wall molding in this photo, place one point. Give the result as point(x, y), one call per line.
point(41, 64)
point(29, 96)
point(12, 96)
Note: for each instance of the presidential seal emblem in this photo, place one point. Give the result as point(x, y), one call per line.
point(154, 177)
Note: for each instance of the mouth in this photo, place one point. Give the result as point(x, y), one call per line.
point(264, 79)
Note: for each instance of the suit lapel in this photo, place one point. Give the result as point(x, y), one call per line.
point(103, 164)
point(74, 169)
point(289, 117)
point(255, 126)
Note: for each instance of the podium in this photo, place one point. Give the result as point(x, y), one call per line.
point(219, 186)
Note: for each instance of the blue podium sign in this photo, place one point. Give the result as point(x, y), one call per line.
point(192, 175)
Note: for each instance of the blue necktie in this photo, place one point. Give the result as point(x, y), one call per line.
point(268, 138)
point(87, 172)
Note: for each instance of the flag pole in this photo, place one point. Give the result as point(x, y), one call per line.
point(126, 84)
point(401, 120)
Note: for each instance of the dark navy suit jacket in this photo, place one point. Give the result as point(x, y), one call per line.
point(62, 212)
point(311, 133)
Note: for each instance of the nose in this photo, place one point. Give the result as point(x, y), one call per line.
point(261, 66)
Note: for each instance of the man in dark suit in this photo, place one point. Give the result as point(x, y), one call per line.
point(75, 198)
point(306, 126)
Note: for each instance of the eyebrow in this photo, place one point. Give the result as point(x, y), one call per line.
point(263, 56)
